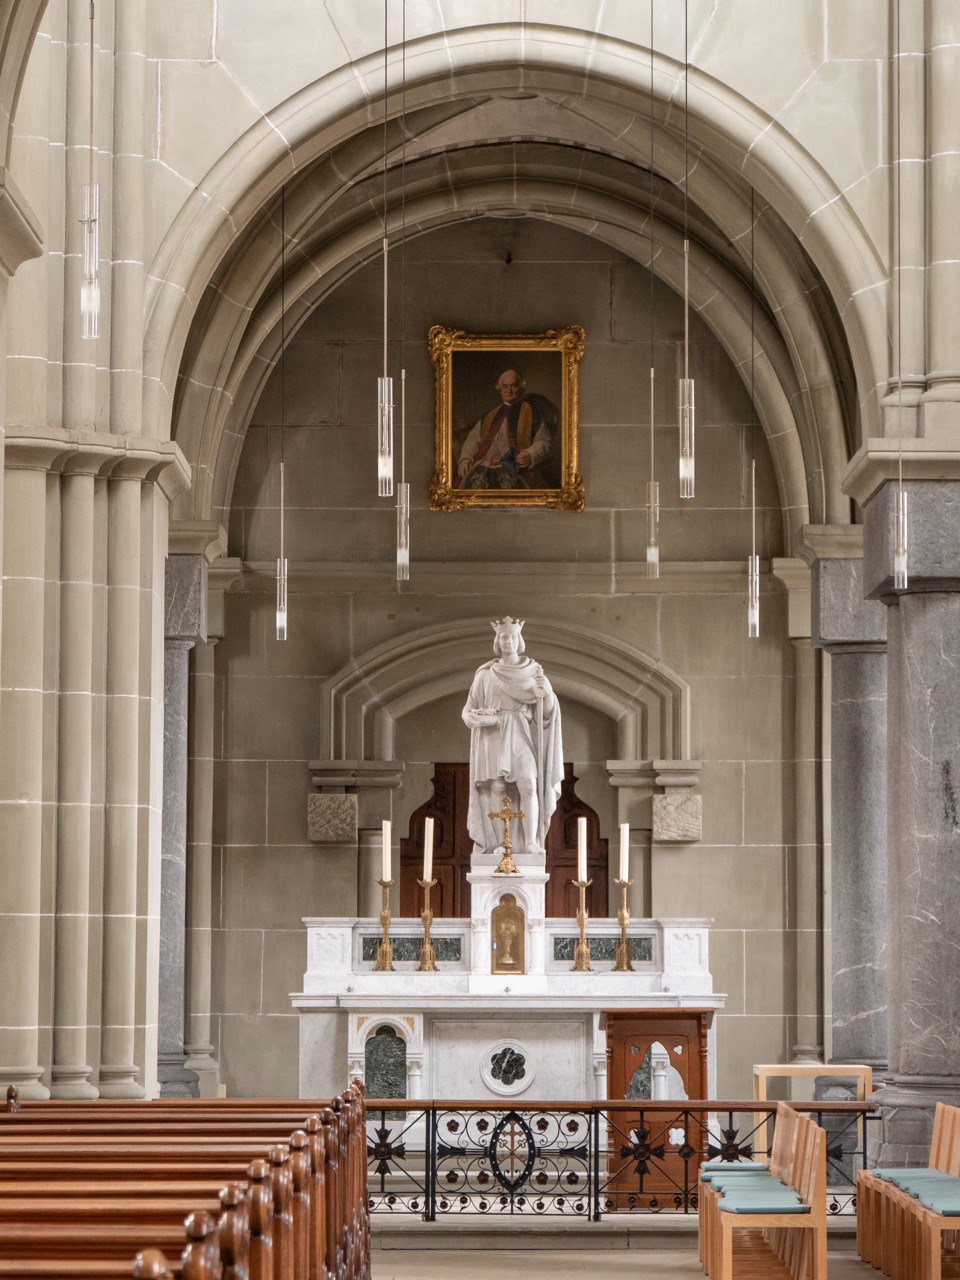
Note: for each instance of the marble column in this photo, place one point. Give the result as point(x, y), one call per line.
point(118, 1070)
point(70, 1074)
point(19, 865)
point(21, 779)
point(853, 631)
point(940, 402)
point(186, 622)
point(806, 850)
point(923, 809)
point(806, 847)
point(198, 1045)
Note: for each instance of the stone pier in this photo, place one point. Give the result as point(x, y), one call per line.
point(923, 756)
point(853, 631)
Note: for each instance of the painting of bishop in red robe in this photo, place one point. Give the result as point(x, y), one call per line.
point(513, 445)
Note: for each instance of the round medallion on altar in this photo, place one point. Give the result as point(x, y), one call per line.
point(507, 1067)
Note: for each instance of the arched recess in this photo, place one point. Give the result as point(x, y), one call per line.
point(597, 79)
point(215, 415)
point(362, 702)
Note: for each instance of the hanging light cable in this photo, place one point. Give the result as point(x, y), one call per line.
point(403, 489)
point(90, 281)
point(686, 396)
point(282, 559)
point(900, 530)
point(753, 563)
point(385, 383)
point(653, 488)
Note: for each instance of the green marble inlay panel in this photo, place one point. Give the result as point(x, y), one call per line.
point(385, 1064)
point(448, 949)
point(641, 948)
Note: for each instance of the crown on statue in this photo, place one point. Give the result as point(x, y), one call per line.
point(507, 624)
point(508, 627)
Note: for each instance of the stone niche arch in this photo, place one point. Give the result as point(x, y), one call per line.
point(649, 703)
point(408, 1029)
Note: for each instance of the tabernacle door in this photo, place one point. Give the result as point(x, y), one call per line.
point(657, 1055)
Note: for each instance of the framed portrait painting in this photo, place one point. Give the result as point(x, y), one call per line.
point(507, 430)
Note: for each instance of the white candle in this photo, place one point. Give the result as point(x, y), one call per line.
point(581, 849)
point(428, 848)
point(624, 851)
point(385, 870)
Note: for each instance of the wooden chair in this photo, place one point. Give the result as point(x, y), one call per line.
point(771, 1224)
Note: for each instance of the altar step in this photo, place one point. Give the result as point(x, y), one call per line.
point(676, 1231)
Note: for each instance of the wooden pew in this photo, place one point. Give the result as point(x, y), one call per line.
point(107, 1169)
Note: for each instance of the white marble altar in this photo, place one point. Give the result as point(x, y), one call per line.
point(454, 1021)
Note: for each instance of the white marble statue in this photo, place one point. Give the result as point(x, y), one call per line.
point(515, 746)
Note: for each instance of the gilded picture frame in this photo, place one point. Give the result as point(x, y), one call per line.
point(507, 429)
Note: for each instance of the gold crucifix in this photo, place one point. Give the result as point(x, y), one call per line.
point(507, 814)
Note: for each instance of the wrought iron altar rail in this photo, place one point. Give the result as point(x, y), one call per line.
point(581, 1160)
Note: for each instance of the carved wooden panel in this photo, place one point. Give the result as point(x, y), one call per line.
point(562, 898)
point(452, 847)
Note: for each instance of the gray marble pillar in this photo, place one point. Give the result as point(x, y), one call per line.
point(185, 609)
point(923, 823)
point(197, 1021)
point(853, 631)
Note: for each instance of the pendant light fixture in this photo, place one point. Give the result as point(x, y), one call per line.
point(90, 281)
point(900, 577)
point(403, 489)
point(653, 488)
point(686, 396)
point(282, 559)
point(385, 383)
point(753, 561)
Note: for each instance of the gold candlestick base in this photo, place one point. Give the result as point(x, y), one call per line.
point(384, 962)
point(428, 952)
point(581, 952)
point(506, 866)
point(624, 963)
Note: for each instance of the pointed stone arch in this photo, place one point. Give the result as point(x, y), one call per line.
point(649, 703)
point(733, 134)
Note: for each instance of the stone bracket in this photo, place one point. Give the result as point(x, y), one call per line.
point(371, 783)
point(331, 818)
point(795, 576)
point(678, 813)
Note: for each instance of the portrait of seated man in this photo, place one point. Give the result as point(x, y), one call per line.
point(514, 445)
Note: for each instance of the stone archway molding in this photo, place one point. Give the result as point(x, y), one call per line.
point(321, 116)
point(362, 702)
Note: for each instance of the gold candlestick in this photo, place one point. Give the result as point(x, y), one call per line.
point(624, 963)
point(507, 814)
point(385, 948)
point(581, 952)
point(428, 952)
